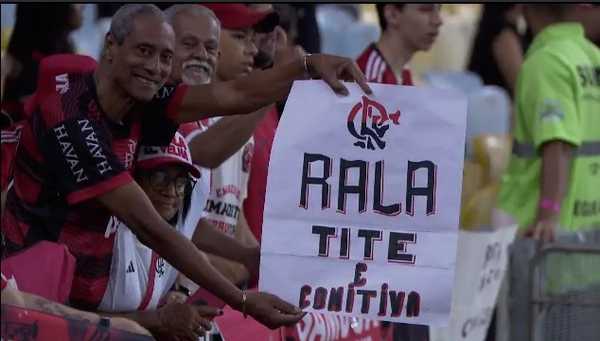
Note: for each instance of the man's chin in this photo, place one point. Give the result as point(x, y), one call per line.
point(142, 96)
point(195, 79)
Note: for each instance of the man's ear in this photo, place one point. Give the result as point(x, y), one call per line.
point(390, 12)
point(110, 45)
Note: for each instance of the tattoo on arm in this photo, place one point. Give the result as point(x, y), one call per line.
point(60, 310)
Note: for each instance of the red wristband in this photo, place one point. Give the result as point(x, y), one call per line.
point(549, 204)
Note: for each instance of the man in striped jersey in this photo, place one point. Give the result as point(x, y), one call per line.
point(406, 29)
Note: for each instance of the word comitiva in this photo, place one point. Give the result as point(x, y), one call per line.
point(387, 301)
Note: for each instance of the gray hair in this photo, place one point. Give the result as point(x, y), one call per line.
point(122, 21)
point(172, 12)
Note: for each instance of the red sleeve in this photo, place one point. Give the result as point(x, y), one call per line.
point(53, 66)
point(51, 76)
point(98, 189)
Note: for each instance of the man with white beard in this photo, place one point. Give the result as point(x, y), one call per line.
point(195, 59)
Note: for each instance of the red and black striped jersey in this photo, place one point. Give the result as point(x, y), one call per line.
point(69, 153)
point(377, 70)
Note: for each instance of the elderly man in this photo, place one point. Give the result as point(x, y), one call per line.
point(197, 53)
point(72, 176)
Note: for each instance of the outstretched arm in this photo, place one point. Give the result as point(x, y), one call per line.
point(209, 239)
point(30, 301)
point(263, 87)
point(221, 140)
point(130, 204)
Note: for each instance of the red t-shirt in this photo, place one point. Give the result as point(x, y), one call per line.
point(377, 70)
point(257, 184)
point(70, 152)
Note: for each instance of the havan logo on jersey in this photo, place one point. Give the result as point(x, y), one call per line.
point(373, 123)
point(84, 131)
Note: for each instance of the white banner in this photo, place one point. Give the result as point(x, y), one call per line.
point(481, 264)
point(363, 197)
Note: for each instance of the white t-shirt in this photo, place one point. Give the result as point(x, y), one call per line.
point(202, 189)
point(136, 272)
point(229, 188)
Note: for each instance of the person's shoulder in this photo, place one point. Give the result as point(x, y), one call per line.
point(550, 58)
point(55, 70)
point(67, 63)
point(567, 51)
point(364, 56)
point(62, 80)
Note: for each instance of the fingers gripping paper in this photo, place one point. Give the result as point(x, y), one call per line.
point(362, 205)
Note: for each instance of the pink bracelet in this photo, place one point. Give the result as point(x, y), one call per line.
point(549, 204)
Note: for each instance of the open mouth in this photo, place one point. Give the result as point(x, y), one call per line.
point(197, 70)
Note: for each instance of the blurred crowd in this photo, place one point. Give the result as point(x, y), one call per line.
point(138, 174)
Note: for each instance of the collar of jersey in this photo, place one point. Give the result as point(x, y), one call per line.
point(554, 32)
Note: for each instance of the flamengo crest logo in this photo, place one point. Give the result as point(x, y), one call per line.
point(374, 123)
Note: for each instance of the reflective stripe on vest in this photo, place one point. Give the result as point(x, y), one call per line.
point(527, 150)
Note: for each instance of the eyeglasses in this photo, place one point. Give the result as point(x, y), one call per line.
point(162, 180)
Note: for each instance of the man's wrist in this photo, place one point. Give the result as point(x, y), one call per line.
point(549, 205)
point(239, 300)
point(244, 299)
point(548, 210)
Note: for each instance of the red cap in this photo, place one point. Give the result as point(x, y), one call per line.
point(240, 16)
point(176, 153)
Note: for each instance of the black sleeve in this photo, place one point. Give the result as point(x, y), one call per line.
point(158, 123)
point(79, 156)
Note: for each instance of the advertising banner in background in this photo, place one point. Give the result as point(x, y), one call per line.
point(482, 261)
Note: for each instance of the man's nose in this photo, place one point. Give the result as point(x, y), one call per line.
point(152, 64)
point(200, 53)
point(252, 49)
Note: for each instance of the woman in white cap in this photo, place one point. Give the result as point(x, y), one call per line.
point(139, 278)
